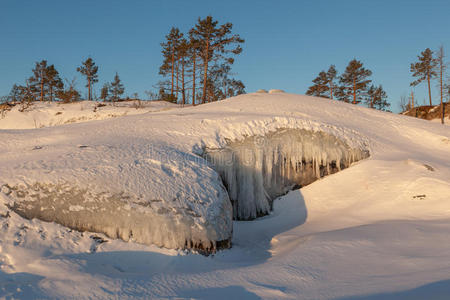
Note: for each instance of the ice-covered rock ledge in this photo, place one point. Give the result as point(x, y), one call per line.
point(258, 169)
point(160, 196)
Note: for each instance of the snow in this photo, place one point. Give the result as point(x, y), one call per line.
point(47, 114)
point(378, 229)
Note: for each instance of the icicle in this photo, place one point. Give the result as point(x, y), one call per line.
point(263, 168)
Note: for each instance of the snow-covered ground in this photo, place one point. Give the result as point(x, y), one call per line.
point(46, 114)
point(379, 229)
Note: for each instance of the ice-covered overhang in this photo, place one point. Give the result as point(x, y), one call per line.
point(259, 169)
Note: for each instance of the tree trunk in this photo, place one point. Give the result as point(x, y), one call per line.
point(89, 88)
point(205, 71)
point(331, 91)
point(173, 61)
point(177, 88)
point(51, 93)
point(193, 79)
point(42, 88)
point(183, 94)
point(354, 91)
point(441, 86)
point(429, 88)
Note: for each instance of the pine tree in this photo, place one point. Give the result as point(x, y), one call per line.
point(70, 94)
point(183, 52)
point(14, 94)
point(376, 98)
point(320, 87)
point(424, 69)
point(104, 94)
point(342, 94)
point(354, 81)
point(24, 95)
point(39, 79)
point(53, 80)
point(213, 41)
point(116, 88)
point(89, 69)
point(169, 51)
point(331, 76)
point(194, 49)
point(221, 85)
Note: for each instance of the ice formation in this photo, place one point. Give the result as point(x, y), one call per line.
point(166, 198)
point(122, 215)
point(258, 169)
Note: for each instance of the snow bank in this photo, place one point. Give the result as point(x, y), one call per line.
point(48, 114)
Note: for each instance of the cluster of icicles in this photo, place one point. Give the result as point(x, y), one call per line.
point(259, 169)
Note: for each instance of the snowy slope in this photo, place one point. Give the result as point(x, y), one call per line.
point(48, 114)
point(378, 228)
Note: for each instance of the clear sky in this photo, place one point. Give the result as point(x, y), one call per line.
point(287, 42)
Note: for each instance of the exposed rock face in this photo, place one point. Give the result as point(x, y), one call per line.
point(259, 169)
point(427, 112)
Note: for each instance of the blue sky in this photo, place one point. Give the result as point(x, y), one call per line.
point(287, 42)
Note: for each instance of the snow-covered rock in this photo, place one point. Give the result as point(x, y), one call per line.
point(275, 91)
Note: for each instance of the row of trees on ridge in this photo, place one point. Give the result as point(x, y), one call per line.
point(352, 86)
point(45, 84)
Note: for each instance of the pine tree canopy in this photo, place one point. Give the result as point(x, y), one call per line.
point(320, 87)
point(424, 68)
point(324, 85)
point(376, 97)
point(213, 42)
point(89, 69)
point(104, 92)
point(355, 80)
point(116, 88)
point(169, 50)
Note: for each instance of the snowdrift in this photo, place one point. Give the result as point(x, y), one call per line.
point(142, 178)
point(48, 114)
